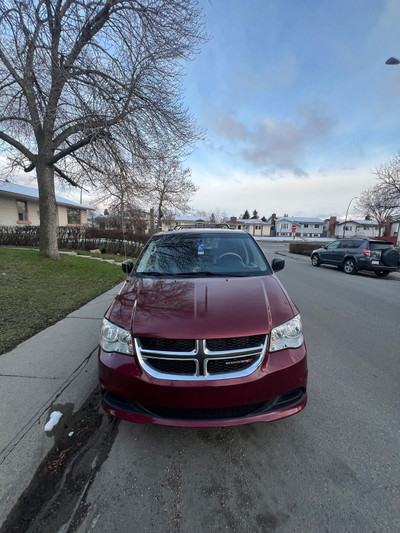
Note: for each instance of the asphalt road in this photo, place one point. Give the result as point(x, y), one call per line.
point(332, 468)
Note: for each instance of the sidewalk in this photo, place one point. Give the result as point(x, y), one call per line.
point(56, 366)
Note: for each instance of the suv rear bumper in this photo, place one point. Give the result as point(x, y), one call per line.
point(277, 389)
point(367, 265)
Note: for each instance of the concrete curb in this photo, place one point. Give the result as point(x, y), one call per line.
point(58, 366)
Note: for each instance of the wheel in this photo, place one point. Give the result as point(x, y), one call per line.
point(349, 266)
point(315, 260)
point(382, 273)
point(230, 258)
point(390, 257)
point(231, 254)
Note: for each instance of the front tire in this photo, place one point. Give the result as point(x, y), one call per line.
point(349, 266)
point(315, 260)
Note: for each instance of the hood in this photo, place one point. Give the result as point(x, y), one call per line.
point(201, 308)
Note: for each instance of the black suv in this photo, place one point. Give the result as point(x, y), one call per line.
point(352, 255)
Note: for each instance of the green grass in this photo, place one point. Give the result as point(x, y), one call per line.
point(36, 292)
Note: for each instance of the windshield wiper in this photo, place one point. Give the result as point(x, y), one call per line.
point(199, 273)
point(152, 273)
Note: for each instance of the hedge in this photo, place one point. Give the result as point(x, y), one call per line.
point(305, 248)
point(78, 238)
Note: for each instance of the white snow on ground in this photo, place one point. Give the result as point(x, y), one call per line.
point(70, 434)
point(53, 421)
point(297, 239)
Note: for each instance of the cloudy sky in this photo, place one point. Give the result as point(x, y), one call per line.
point(297, 103)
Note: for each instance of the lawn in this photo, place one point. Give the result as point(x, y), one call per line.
point(36, 292)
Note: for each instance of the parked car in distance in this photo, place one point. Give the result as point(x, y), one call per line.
point(202, 334)
point(352, 255)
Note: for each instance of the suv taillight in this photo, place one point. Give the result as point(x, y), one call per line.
point(367, 252)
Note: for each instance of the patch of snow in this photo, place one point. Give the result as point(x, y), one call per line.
point(70, 434)
point(53, 421)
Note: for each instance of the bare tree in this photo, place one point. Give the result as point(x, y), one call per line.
point(81, 81)
point(375, 202)
point(388, 175)
point(171, 187)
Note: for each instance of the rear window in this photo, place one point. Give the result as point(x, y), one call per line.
point(380, 246)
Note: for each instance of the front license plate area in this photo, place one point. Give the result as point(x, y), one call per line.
point(375, 262)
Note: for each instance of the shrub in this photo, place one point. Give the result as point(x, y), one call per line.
point(304, 248)
point(78, 238)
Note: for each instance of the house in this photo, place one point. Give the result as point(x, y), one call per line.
point(394, 230)
point(185, 221)
point(305, 227)
point(254, 226)
point(20, 205)
point(357, 228)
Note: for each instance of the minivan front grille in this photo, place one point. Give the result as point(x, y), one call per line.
point(185, 359)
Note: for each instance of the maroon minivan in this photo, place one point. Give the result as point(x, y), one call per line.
point(202, 334)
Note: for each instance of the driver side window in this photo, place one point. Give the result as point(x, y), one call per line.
point(333, 245)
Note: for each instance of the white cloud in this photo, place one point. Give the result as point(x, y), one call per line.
point(320, 196)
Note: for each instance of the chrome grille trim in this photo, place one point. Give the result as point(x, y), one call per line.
point(201, 357)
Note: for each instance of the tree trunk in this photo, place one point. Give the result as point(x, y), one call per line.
point(159, 213)
point(48, 212)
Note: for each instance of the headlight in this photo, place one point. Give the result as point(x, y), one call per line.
point(287, 335)
point(115, 339)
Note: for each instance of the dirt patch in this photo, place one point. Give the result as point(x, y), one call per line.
point(82, 442)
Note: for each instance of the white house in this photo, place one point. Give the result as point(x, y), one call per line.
point(254, 226)
point(305, 227)
point(395, 228)
point(189, 221)
point(19, 205)
point(357, 228)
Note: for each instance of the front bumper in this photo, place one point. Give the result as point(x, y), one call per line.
point(276, 389)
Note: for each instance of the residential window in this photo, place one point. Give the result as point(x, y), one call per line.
point(316, 226)
point(284, 225)
point(258, 227)
point(348, 228)
point(22, 211)
point(306, 225)
point(239, 226)
point(73, 216)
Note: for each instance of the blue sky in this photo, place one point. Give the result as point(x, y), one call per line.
point(298, 105)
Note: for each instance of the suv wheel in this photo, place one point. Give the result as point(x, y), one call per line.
point(349, 266)
point(382, 273)
point(315, 260)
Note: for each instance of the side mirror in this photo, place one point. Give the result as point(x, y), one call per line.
point(325, 246)
point(127, 266)
point(277, 264)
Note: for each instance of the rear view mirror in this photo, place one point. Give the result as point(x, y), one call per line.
point(127, 266)
point(277, 264)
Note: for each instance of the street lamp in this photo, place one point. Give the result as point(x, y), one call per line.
point(392, 61)
point(345, 220)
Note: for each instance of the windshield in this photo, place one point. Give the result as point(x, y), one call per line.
point(202, 255)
